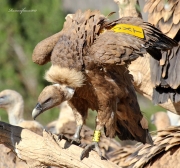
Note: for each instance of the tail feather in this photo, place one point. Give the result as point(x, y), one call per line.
point(173, 75)
point(157, 39)
point(161, 95)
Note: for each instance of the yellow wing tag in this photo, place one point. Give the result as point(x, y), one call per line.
point(129, 29)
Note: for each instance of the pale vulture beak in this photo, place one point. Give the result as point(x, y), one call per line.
point(37, 111)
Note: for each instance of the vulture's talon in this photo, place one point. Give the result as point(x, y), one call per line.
point(88, 148)
point(75, 141)
point(72, 141)
point(61, 136)
point(83, 145)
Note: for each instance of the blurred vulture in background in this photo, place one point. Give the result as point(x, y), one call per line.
point(174, 118)
point(165, 15)
point(89, 70)
point(161, 120)
point(13, 103)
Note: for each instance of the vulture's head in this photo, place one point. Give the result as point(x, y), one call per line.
point(65, 82)
point(52, 96)
point(9, 99)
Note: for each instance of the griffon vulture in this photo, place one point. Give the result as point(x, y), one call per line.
point(89, 70)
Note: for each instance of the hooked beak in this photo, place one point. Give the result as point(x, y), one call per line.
point(37, 110)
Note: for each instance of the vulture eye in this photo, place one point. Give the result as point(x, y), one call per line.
point(46, 101)
point(2, 97)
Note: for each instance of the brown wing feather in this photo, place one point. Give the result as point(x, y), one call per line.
point(165, 26)
point(176, 16)
point(166, 150)
point(42, 52)
point(79, 32)
point(166, 77)
point(164, 13)
point(120, 48)
point(171, 78)
point(119, 155)
point(115, 48)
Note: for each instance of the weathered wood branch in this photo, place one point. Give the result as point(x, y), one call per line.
point(47, 150)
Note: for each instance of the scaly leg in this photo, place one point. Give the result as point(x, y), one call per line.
point(80, 116)
point(94, 144)
point(76, 137)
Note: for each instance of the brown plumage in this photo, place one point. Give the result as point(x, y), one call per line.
point(166, 79)
point(164, 14)
point(120, 116)
point(119, 155)
point(81, 30)
point(99, 56)
point(129, 155)
point(164, 153)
